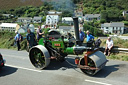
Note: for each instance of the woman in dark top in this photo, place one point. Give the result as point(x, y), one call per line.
point(39, 33)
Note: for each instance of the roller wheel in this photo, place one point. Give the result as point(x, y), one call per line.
point(87, 71)
point(37, 58)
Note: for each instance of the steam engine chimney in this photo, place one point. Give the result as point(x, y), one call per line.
point(76, 27)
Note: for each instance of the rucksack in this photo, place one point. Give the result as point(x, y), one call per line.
point(97, 43)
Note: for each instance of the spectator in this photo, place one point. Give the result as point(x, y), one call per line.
point(17, 39)
point(82, 35)
point(31, 39)
point(109, 46)
point(39, 33)
point(89, 36)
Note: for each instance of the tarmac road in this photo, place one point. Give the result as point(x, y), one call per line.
point(19, 71)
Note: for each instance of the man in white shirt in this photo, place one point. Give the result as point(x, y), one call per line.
point(109, 46)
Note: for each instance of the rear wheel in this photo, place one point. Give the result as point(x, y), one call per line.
point(37, 58)
point(90, 64)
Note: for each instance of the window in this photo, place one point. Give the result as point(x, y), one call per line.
point(120, 28)
point(48, 20)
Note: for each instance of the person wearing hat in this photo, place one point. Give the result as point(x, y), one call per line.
point(82, 35)
point(89, 36)
point(109, 46)
point(17, 39)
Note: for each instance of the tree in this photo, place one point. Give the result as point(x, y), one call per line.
point(104, 15)
point(66, 13)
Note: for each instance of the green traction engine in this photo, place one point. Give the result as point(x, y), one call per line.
point(56, 46)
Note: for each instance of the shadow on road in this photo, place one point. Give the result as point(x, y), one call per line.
point(7, 71)
point(106, 71)
point(55, 65)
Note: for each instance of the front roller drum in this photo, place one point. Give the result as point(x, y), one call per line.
point(96, 62)
point(39, 56)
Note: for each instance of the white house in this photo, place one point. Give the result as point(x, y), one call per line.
point(90, 17)
point(9, 27)
point(67, 20)
point(52, 21)
point(24, 19)
point(114, 27)
point(37, 19)
point(7, 15)
point(125, 13)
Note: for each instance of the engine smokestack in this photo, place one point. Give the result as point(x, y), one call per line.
point(76, 27)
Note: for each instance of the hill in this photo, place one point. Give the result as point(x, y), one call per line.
point(7, 4)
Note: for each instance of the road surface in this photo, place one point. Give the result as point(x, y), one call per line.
point(19, 71)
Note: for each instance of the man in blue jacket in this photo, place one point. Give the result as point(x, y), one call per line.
point(89, 36)
point(82, 35)
point(17, 39)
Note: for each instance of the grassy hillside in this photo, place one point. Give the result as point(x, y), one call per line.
point(7, 4)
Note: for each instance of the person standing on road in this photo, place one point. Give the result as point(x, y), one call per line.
point(31, 39)
point(82, 36)
point(39, 33)
point(109, 46)
point(17, 39)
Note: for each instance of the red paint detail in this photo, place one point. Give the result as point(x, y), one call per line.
point(77, 61)
point(58, 45)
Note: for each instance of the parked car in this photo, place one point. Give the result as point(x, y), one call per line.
point(2, 61)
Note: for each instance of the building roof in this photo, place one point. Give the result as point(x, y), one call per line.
point(37, 18)
point(92, 15)
point(8, 24)
point(113, 24)
point(24, 18)
point(67, 19)
point(7, 15)
point(54, 12)
point(65, 27)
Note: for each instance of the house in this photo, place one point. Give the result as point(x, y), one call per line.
point(67, 29)
point(67, 20)
point(37, 19)
point(113, 27)
point(11, 27)
point(52, 21)
point(7, 15)
point(79, 14)
point(90, 17)
point(24, 19)
point(125, 13)
point(54, 13)
point(23, 29)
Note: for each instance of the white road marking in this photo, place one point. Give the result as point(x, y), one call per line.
point(23, 68)
point(97, 82)
point(13, 56)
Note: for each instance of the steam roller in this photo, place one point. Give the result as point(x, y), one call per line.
point(56, 46)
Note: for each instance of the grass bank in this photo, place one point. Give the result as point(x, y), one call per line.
point(7, 41)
